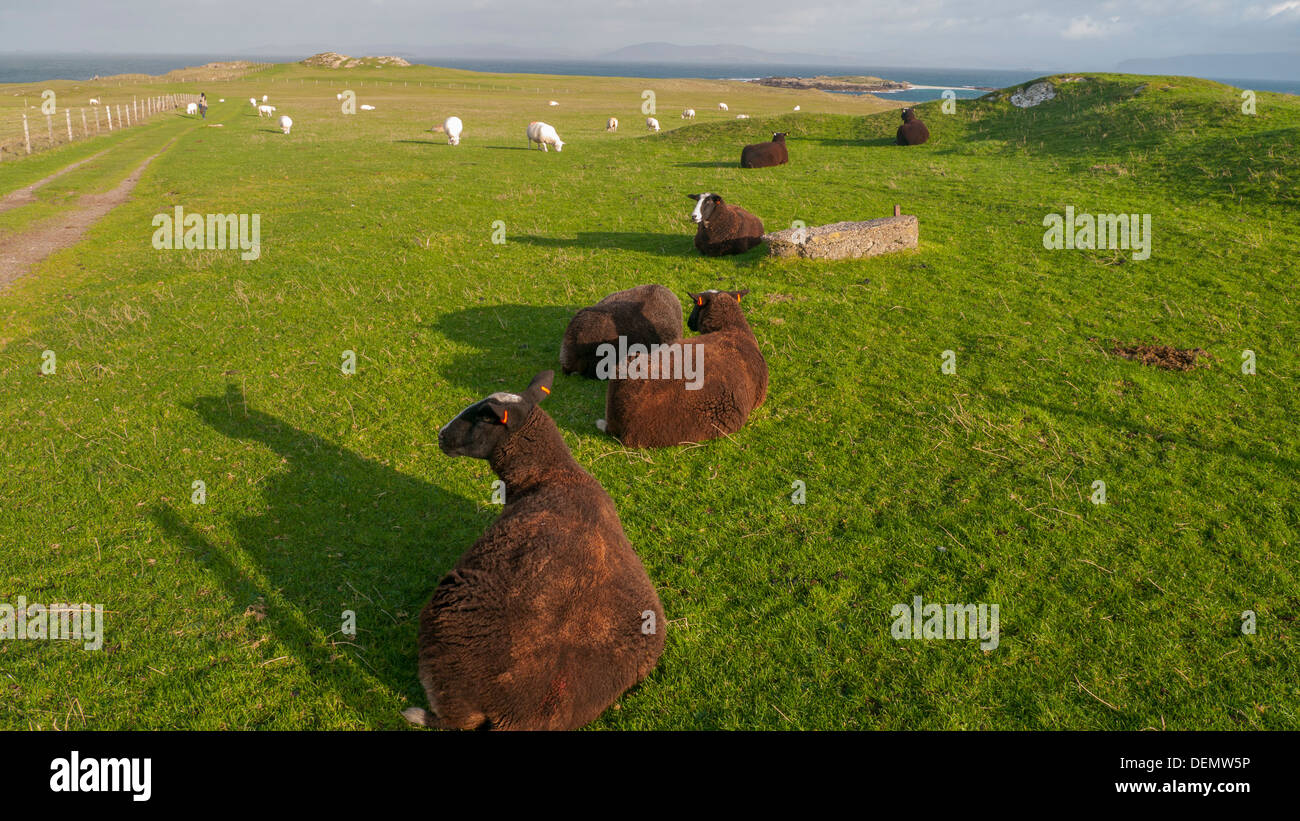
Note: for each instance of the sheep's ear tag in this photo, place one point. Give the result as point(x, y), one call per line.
point(505, 416)
point(699, 300)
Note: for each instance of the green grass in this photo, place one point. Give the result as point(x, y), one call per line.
point(327, 492)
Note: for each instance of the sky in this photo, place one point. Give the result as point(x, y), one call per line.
point(943, 33)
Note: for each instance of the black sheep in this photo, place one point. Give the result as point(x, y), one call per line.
point(765, 155)
point(912, 131)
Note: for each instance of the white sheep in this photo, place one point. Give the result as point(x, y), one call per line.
point(796, 108)
point(651, 123)
point(264, 98)
point(544, 135)
point(453, 127)
point(339, 96)
point(252, 101)
point(265, 110)
point(722, 106)
point(553, 102)
point(612, 125)
point(222, 100)
point(192, 108)
point(367, 108)
point(688, 114)
point(742, 116)
point(94, 101)
point(285, 123)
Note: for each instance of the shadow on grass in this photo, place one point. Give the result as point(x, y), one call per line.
point(872, 142)
point(424, 142)
point(668, 245)
point(728, 164)
point(337, 532)
point(513, 148)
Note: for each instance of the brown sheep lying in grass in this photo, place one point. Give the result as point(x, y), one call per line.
point(765, 155)
point(662, 412)
point(912, 131)
point(645, 314)
point(724, 229)
point(549, 617)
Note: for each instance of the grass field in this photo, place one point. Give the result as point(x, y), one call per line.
point(326, 492)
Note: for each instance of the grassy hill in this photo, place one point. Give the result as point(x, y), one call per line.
point(326, 492)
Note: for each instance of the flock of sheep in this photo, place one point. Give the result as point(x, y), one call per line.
point(550, 616)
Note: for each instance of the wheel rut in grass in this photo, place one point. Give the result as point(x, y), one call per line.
point(27, 193)
point(23, 250)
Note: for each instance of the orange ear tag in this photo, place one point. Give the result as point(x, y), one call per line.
point(505, 415)
point(699, 300)
point(545, 390)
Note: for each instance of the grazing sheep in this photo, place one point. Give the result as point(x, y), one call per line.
point(722, 106)
point(646, 314)
point(285, 123)
point(688, 114)
point(912, 131)
point(731, 383)
point(453, 128)
point(612, 125)
point(265, 110)
point(765, 155)
point(367, 108)
point(544, 135)
point(796, 108)
point(264, 98)
point(252, 101)
point(339, 96)
point(222, 100)
point(192, 108)
point(94, 101)
point(553, 102)
point(724, 229)
point(651, 123)
point(549, 617)
point(742, 116)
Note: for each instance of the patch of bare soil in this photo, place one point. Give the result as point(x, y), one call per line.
point(26, 194)
point(21, 251)
point(1163, 356)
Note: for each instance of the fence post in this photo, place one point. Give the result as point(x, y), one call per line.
point(67, 115)
point(96, 120)
point(27, 137)
point(85, 132)
point(49, 128)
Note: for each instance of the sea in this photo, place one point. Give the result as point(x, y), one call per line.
point(929, 83)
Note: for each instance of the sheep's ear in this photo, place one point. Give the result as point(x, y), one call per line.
point(695, 197)
point(716, 197)
point(540, 387)
point(697, 299)
point(499, 410)
point(739, 294)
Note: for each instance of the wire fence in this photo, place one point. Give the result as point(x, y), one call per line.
point(41, 132)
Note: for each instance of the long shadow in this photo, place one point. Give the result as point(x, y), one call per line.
point(729, 164)
point(510, 148)
point(518, 341)
point(339, 532)
point(668, 245)
point(422, 142)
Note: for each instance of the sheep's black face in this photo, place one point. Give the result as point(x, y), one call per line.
point(908, 115)
point(779, 137)
point(702, 301)
point(704, 205)
point(479, 429)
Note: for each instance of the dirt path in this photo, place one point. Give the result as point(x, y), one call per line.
point(18, 253)
point(27, 193)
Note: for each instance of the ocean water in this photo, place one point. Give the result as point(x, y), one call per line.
point(28, 68)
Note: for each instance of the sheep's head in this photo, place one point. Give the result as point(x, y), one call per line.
point(908, 115)
point(478, 430)
point(779, 137)
point(704, 205)
point(710, 307)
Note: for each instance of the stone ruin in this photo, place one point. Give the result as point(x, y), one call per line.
point(847, 240)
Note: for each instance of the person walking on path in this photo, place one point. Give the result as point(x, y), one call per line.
point(203, 105)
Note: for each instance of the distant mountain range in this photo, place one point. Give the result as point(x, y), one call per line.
point(1266, 66)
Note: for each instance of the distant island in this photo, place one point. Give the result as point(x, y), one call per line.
point(855, 83)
